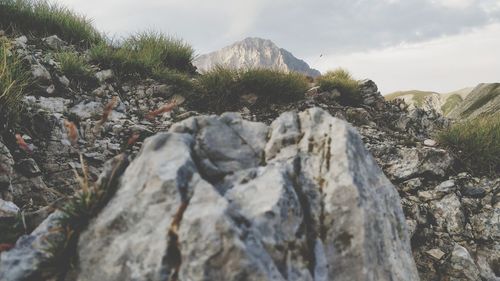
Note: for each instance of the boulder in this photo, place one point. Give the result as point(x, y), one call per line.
point(221, 198)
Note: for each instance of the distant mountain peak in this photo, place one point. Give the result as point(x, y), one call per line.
point(255, 52)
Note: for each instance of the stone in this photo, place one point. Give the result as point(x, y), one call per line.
point(409, 162)
point(430, 143)
point(448, 214)
point(40, 73)
point(221, 198)
point(54, 42)
point(462, 266)
point(104, 75)
point(21, 42)
point(51, 89)
point(8, 209)
point(435, 253)
point(86, 110)
point(51, 104)
point(63, 80)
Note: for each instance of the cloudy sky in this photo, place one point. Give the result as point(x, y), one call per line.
point(439, 45)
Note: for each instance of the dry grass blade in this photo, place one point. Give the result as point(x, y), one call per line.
point(174, 102)
point(71, 131)
point(23, 145)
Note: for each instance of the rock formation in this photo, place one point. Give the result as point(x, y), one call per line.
point(254, 53)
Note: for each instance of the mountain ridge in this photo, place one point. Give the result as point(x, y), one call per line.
point(255, 52)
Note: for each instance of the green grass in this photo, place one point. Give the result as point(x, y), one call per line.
point(44, 18)
point(480, 102)
point(477, 141)
point(342, 81)
point(148, 54)
point(74, 65)
point(451, 103)
point(14, 78)
point(222, 87)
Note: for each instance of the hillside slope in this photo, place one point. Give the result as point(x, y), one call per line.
point(254, 53)
point(443, 103)
point(483, 100)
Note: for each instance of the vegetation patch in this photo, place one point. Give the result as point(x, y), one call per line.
point(342, 81)
point(74, 66)
point(14, 78)
point(223, 87)
point(477, 141)
point(44, 18)
point(451, 103)
point(148, 54)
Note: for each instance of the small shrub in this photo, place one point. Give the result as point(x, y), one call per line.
point(273, 86)
point(44, 18)
point(477, 141)
point(223, 86)
point(219, 87)
point(154, 49)
point(342, 81)
point(14, 78)
point(144, 52)
point(74, 65)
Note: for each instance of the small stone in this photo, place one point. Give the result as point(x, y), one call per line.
point(40, 72)
point(435, 253)
point(64, 80)
point(104, 75)
point(21, 42)
point(8, 209)
point(51, 89)
point(426, 195)
point(430, 143)
point(474, 192)
point(54, 42)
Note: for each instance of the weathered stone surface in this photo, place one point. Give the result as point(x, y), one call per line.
point(462, 266)
point(220, 198)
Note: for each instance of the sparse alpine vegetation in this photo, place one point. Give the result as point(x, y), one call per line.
point(147, 54)
point(342, 81)
point(44, 18)
point(223, 87)
point(451, 102)
point(74, 66)
point(14, 78)
point(477, 141)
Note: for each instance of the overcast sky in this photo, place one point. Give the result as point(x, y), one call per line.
point(439, 45)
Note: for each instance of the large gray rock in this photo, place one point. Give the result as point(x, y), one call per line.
point(220, 198)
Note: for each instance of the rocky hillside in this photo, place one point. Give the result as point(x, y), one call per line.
point(254, 53)
point(443, 103)
point(483, 100)
point(116, 167)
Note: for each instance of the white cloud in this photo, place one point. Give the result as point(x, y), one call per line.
point(441, 65)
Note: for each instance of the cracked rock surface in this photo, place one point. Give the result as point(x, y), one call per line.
point(221, 198)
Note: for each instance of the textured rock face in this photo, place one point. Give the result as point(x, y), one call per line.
point(220, 198)
point(254, 53)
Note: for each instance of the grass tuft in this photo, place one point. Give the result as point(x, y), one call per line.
point(342, 81)
point(44, 18)
point(222, 87)
point(14, 78)
point(477, 141)
point(74, 65)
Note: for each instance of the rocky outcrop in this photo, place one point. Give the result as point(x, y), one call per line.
point(221, 198)
point(254, 53)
